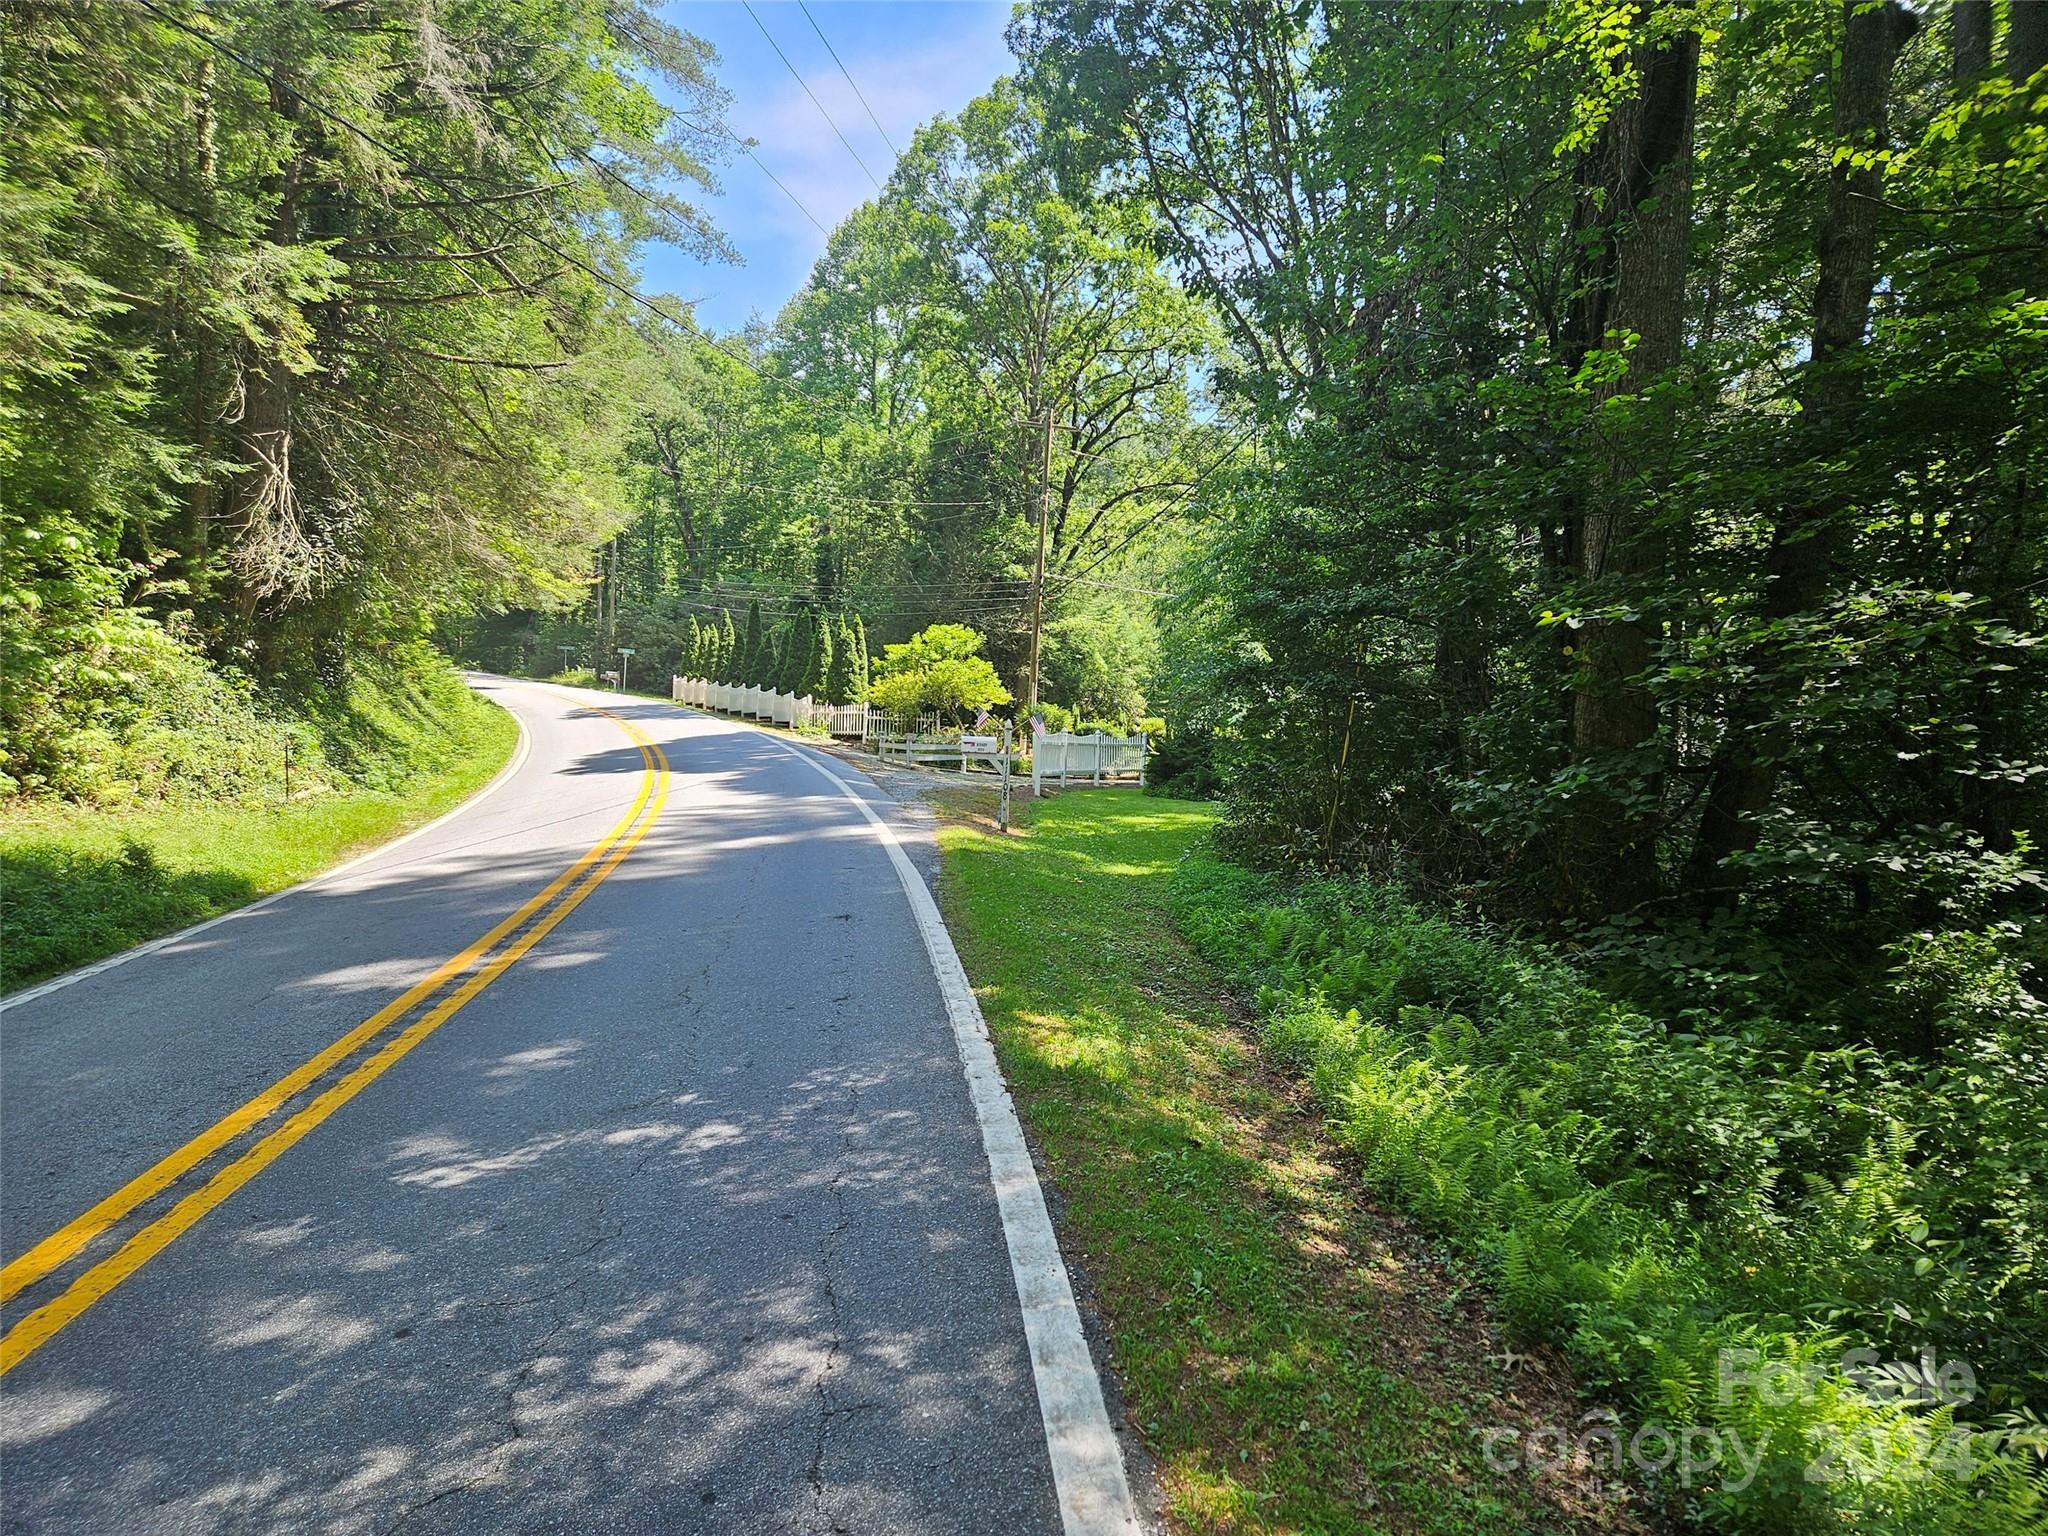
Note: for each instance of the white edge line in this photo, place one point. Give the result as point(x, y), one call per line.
point(150, 947)
point(1087, 1461)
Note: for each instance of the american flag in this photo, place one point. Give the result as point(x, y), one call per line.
point(981, 719)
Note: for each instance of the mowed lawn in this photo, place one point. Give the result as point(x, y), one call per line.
point(78, 883)
point(1297, 1359)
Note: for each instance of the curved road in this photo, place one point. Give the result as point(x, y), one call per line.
point(667, 1209)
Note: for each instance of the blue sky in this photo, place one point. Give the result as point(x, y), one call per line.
point(913, 59)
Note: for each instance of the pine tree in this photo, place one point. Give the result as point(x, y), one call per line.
point(860, 660)
point(693, 649)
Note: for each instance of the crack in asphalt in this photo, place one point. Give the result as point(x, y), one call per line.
point(828, 1258)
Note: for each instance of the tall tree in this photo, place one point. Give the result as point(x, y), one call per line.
point(1632, 231)
point(1806, 540)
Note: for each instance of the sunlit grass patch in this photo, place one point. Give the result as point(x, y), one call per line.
point(78, 883)
point(1295, 1361)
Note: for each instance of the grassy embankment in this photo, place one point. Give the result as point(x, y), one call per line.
point(1661, 1206)
point(156, 850)
point(1298, 1359)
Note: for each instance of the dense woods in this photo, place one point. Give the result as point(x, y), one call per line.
point(1570, 473)
point(318, 327)
point(1643, 549)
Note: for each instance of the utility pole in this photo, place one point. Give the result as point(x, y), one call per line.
point(1038, 575)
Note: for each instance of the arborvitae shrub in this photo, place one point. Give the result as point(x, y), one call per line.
point(728, 647)
point(750, 649)
point(839, 676)
point(818, 665)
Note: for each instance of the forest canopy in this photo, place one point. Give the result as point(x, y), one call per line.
point(319, 324)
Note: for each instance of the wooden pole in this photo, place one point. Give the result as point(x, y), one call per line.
point(1038, 570)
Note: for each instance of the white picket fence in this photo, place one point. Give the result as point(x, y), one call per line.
point(1063, 758)
point(753, 703)
point(882, 727)
point(962, 752)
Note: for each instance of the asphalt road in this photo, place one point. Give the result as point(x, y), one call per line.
point(683, 1222)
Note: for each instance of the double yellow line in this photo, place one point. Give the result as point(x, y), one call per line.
point(480, 964)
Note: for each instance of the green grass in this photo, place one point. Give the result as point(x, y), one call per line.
point(1297, 1359)
point(81, 882)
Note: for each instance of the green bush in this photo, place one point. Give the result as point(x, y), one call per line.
point(939, 668)
point(1651, 1199)
point(145, 717)
point(1183, 765)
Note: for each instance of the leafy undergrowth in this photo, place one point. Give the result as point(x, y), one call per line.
point(1298, 1358)
point(1792, 1260)
point(403, 743)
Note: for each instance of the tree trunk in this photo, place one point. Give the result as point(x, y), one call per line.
point(1800, 566)
point(2026, 39)
point(195, 530)
point(270, 543)
point(667, 445)
point(1633, 223)
point(1970, 41)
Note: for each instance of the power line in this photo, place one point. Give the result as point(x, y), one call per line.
point(800, 208)
point(269, 74)
point(1214, 464)
point(812, 94)
point(873, 501)
point(1112, 586)
point(858, 94)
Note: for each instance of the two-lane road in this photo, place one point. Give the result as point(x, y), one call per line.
point(612, 1156)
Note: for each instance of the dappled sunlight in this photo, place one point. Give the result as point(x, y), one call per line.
point(1068, 1045)
point(714, 1249)
point(46, 1409)
point(309, 1328)
point(279, 1234)
point(541, 1058)
point(1260, 1303)
point(564, 959)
